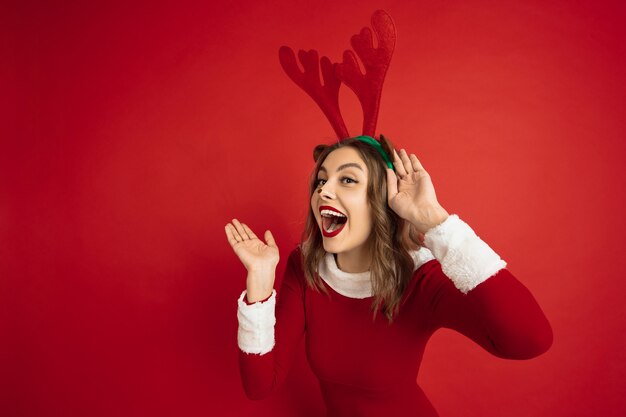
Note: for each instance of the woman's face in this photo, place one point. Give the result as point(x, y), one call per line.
point(343, 179)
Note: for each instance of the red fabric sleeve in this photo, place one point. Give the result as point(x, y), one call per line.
point(500, 314)
point(262, 374)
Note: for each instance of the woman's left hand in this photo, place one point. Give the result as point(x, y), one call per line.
point(411, 193)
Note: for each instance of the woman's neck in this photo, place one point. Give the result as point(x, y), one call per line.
point(356, 261)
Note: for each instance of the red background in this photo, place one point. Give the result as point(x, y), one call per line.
point(132, 134)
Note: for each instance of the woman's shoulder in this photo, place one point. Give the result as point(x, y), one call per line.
point(423, 264)
point(294, 267)
point(420, 257)
point(295, 256)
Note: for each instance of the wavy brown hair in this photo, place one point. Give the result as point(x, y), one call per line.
point(392, 266)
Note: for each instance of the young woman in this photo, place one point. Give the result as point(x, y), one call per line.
point(381, 267)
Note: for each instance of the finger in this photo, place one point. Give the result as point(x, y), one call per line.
point(240, 229)
point(397, 162)
point(392, 184)
point(269, 238)
point(249, 231)
point(408, 166)
point(233, 236)
point(417, 165)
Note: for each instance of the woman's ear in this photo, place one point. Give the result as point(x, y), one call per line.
point(387, 145)
point(318, 151)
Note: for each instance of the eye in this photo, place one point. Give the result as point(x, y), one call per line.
point(347, 180)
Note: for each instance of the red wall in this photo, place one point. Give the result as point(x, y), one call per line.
point(132, 134)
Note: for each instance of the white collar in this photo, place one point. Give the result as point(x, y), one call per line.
point(359, 285)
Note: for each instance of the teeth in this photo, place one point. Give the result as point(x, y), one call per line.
point(326, 212)
point(335, 222)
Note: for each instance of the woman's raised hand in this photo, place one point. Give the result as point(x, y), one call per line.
point(411, 193)
point(259, 258)
point(256, 255)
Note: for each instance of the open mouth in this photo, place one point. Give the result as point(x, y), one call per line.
point(332, 222)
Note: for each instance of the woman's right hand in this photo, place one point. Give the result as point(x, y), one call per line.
point(255, 255)
point(259, 258)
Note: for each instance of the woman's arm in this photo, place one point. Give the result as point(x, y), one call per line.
point(269, 332)
point(270, 324)
point(470, 290)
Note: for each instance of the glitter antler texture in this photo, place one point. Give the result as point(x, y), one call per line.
point(326, 96)
point(367, 87)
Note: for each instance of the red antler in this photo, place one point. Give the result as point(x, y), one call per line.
point(326, 96)
point(368, 86)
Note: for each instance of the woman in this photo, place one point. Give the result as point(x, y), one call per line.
point(375, 242)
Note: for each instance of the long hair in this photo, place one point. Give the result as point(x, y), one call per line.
point(391, 266)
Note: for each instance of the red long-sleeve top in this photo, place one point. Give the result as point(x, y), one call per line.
point(369, 368)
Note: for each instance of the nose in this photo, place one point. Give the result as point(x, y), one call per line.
point(324, 191)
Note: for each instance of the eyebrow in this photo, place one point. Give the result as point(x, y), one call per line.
point(344, 166)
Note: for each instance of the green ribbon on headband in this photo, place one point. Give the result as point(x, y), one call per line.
point(378, 147)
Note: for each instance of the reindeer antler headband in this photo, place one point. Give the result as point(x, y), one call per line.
point(367, 87)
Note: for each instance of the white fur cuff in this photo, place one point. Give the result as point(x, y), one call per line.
point(464, 257)
point(256, 325)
